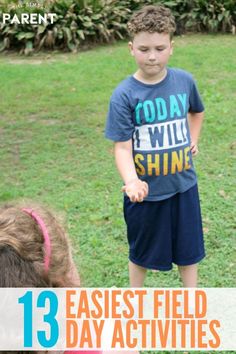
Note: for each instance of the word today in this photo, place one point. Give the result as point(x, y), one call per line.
point(32, 18)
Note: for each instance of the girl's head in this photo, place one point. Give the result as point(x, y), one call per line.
point(34, 249)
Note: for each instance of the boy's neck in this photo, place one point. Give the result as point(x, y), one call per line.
point(138, 75)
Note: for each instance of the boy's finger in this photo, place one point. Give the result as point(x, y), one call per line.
point(195, 151)
point(140, 197)
point(145, 188)
point(144, 193)
point(132, 198)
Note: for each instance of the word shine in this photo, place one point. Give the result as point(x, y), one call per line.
point(168, 163)
point(32, 18)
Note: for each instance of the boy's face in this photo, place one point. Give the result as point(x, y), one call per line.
point(151, 52)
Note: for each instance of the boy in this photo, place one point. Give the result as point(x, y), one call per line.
point(155, 118)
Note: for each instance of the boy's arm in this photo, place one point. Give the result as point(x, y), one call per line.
point(136, 189)
point(195, 124)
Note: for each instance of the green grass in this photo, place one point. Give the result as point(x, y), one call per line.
point(52, 116)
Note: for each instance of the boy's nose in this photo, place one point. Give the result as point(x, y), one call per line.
point(152, 56)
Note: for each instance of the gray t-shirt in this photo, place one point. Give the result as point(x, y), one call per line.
point(155, 118)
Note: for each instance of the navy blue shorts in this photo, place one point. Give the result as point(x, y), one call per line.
point(164, 232)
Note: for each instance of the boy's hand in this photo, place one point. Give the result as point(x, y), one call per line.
point(194, 148)
point(136, 190)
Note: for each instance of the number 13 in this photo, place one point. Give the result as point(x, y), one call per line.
point(27, 301)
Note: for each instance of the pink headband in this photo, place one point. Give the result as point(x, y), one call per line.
point(47, 243)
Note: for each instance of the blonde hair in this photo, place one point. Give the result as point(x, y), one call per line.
point(22, 234)
point(151, 19)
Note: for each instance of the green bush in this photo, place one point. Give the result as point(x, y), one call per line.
point(83, 22)
point(202, 15)
point(212, 16)
point(78, 22)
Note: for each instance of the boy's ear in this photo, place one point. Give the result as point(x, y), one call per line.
point(130, 45)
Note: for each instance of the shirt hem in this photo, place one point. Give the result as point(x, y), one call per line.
point(167, 196)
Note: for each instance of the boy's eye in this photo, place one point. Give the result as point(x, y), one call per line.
point(146, 49)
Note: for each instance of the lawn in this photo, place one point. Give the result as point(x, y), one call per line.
point(52, 115)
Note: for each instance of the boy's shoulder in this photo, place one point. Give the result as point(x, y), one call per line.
point(180, 73)
point(123, 90)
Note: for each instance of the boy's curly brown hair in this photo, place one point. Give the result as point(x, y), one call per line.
point(152, 19)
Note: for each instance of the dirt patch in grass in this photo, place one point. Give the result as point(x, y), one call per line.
point(36, 59)
point(31, 61)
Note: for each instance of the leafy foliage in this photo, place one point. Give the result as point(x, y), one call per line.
point(213, 16)
point(77, 22)
point(83, 22)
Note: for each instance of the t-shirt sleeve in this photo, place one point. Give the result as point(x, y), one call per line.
point(195, 101)
point(119, 125)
